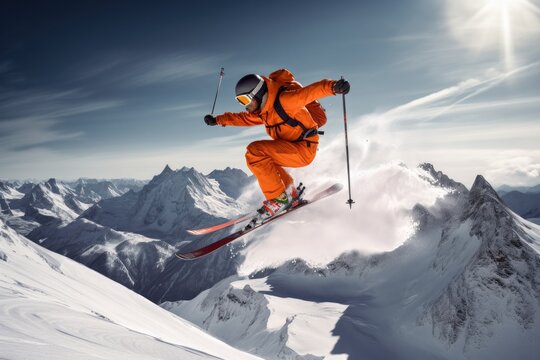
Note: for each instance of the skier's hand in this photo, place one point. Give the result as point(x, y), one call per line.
point(210, 120)
point(341, 86)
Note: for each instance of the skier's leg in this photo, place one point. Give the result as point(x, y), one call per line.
point(266, 159)
point(286, 178)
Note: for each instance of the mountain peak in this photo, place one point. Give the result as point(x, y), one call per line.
point(187, 169)
point(441, 179)
point(3, 186)
point(165, 173)
point(52, 184)
point(166, 170)
point(481, 187)
point(52, 181)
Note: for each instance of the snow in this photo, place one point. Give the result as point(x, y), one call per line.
point(51, 200)
point(419, 268)
point(9, 193)
point(424, 269)
point(170, 203)
point(303, 317)
point(54, 308)
point(532, 230)
point(259, 285)
point(379, 220)
point(265, 324)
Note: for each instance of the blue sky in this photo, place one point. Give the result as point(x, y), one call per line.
point(119, 89)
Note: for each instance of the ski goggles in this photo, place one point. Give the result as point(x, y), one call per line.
point(245, 99)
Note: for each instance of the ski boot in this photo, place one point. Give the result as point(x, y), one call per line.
point(292, 197)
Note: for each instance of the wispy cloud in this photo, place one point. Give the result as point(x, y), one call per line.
point(35, 117)
point(446, 100)
point(48, 103)
point(119, 69)
point(173, 68)
point(24, 133)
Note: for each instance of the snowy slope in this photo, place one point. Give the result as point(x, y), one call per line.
point(130, 259)
point(7, 192)
point(107, 237)
point(54, 308)
point(4, 208)
point(266, 325)
point(9, 197)
point(465, 283)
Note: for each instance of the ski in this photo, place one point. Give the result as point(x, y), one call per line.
point(195, 254)
point(239, 219)
point(211, 229)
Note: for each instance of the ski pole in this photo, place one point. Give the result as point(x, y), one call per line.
point(350, 201)
point(221, 73)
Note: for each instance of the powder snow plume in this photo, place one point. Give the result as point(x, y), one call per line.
point(384, 191)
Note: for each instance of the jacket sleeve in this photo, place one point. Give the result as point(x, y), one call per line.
point(303, 96)
point(238, 119)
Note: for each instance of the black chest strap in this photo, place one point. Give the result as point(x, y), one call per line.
point(306, 133)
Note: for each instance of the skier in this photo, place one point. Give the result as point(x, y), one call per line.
point(282, 110)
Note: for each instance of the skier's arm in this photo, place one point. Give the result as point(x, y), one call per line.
point(303, 96)
point(238, 119)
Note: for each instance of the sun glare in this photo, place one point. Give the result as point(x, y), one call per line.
point(485, 25)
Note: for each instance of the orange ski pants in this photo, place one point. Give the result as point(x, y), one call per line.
point(266, 159)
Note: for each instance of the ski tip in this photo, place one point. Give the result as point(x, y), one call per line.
point(186, 256)
point(195, 232)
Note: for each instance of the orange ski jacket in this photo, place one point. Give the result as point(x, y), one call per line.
point(293, 102)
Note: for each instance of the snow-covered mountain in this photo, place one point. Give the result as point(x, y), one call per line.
point(92, 191)
point(8, 192)
point(170, 203)
point(465, 285)
point(456, 276)
point(130, 259)
point(49, 202)
point(491, 306)
point(111, 243)
point(26, 187)
point(52, 307)
point(4, 207)
point(125, 185)
point(147, 266)
point(231, 181)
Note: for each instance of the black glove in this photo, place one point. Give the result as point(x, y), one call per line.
point(210, 120)
point(342, 86)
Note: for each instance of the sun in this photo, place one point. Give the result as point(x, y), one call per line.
point(487, 25)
